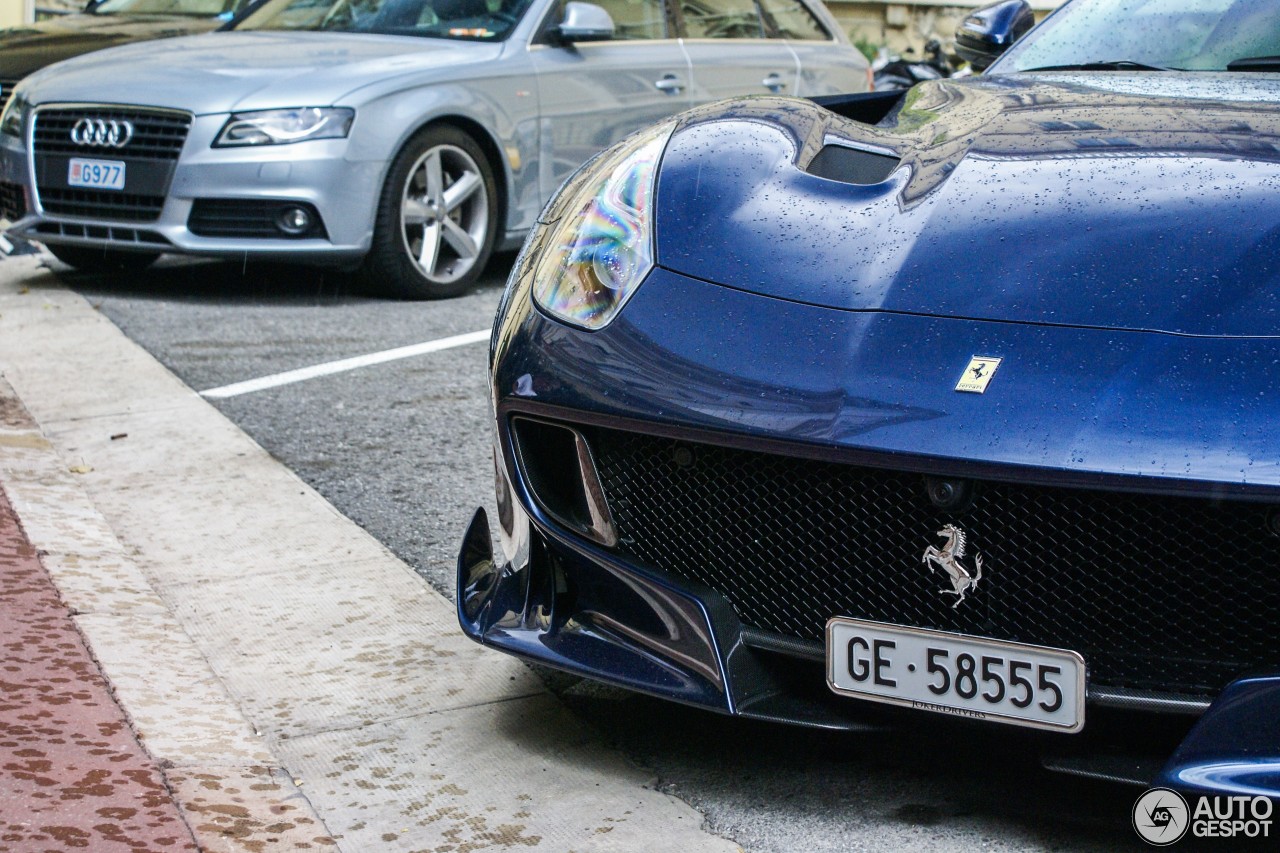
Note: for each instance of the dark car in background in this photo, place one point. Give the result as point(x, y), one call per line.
point(104, 24)
point(961, 401)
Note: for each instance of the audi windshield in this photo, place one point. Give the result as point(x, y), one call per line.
point(1185, 35)
point(476, 20)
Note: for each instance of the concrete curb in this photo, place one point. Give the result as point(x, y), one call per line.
point(302, 687)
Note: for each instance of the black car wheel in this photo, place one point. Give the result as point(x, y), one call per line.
point(107, 261)
point(437, 218)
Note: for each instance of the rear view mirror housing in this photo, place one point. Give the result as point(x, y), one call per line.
point(988, 32)
point(584, 22)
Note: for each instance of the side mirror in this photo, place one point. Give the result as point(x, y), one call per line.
point(989, 31)
point(584, 22)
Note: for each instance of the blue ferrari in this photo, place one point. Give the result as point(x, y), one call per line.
point(963, 401)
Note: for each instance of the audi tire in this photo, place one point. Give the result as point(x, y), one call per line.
point(437, 218)
point(105, 261)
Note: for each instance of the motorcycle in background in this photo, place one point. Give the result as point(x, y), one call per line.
point(903, 72)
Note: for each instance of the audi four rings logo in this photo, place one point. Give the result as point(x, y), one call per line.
point(102, 133)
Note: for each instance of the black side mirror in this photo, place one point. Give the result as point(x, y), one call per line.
point(989, 31)
point(584, 22)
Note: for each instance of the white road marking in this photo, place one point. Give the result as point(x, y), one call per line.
point(275, 380)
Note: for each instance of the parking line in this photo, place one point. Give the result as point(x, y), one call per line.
point(275, 380)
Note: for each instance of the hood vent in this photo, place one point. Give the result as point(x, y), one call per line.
point(852, 165)
point(863, 107)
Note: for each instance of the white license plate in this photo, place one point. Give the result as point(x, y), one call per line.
point(99, 174)
point(957, 674)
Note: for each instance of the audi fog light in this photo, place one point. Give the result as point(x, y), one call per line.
point(294, 220)
point(279, 127)
point(599, 245)
point(11, 118)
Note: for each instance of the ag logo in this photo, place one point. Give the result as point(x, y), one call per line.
point(1161, 816)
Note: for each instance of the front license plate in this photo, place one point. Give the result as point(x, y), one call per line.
point(99, 174)
point(957, 674)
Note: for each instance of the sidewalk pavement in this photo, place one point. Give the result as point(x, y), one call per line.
point(75, 775)
point(287, 683)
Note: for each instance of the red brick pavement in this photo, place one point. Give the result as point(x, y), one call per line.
point(72, 773)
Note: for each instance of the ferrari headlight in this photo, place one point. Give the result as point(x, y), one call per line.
point(278, 127)
point(599, 246)
point(11, 118)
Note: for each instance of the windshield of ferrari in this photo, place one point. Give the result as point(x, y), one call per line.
point(195, 8)
point(1190, 35)
point(476, 20)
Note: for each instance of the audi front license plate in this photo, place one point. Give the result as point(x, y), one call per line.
point(957, 674)
point(99, 174)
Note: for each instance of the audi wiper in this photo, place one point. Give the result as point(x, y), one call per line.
point(1255, 63)
point(1110, 65)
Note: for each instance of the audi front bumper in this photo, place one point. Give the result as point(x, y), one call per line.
point(317, 176)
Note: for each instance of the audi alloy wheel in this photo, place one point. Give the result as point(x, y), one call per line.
point(436, 220)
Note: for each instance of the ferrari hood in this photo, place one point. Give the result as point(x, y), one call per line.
point(1143, 202)
point(32, 47)
point(225, 71)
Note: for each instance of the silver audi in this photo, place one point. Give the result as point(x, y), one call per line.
point(408, 139)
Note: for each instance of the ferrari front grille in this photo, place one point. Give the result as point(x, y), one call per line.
point(1170, 595)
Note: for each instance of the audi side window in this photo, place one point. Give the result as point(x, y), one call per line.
point(460, 19)
point(791, 19)
point(636, 19)
point(721, 19)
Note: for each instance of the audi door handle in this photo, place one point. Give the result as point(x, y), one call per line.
point(670, 84)
point(773, 83)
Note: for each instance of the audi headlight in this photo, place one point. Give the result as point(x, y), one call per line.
point(11, 118)
point(598, 244)
point(278, 127)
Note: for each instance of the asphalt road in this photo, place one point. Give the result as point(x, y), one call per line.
point(403, 449)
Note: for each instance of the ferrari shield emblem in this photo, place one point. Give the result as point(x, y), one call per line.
point(978, 374)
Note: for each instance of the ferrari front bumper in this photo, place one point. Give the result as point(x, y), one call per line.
point(567, 605)
point(766, 466)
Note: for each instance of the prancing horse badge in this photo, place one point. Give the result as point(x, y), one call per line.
point(978, 374)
